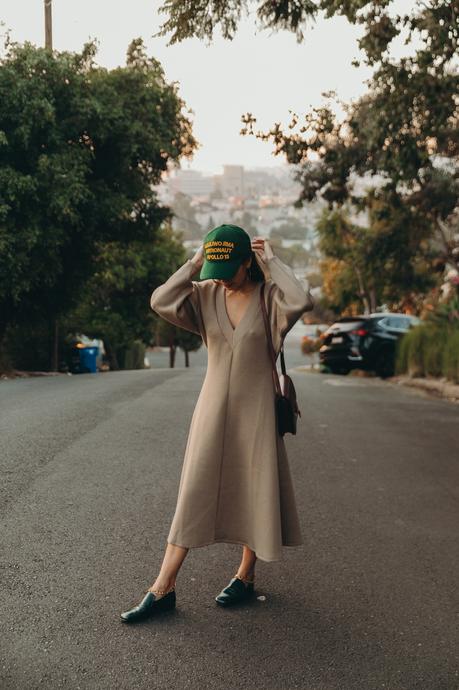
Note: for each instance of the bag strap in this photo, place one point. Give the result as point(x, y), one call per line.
point(270, 343)
point(284, 370)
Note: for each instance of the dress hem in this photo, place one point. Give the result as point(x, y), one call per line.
point(235, 541)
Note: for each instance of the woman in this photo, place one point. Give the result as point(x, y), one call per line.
point(235, 484)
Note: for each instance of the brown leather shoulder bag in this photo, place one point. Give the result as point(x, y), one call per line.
point(287, 410)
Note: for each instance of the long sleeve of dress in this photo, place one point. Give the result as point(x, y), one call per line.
point(177, 300)
point(289, 298)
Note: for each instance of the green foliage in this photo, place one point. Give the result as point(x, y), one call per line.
point(383, 262)
point(402, 350)
point(201, 17)
point(80, 149)
point(295, 255)
point(433, 353)
point(135, 355)
point(114, 304)
point(409, 113)
point(404, 132)
point(185, 217)
point(436, 21)
point(446, 312)
point(450, 364)
point(27, 346)
point(431, 349)
point(165, 334)
point(291, 230)
point(341, 288)
point(168, 335)
point(187, 341)
point(246, 220)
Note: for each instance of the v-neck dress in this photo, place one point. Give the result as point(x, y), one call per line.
point(235, 484)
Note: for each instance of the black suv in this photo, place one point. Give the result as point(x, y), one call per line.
point(364, 342)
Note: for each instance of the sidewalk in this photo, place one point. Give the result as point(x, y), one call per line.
point(19, 374)
point(439, 387)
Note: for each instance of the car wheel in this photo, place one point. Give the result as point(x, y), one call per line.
point(342, 369)
point(385, 365)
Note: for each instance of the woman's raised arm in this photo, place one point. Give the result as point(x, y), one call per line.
point(177, 300)
point(288, 297)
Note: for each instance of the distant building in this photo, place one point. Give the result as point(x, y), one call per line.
point(232, 180)
point(192, 183)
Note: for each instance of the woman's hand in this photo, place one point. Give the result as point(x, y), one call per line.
point(262, 248)
point(198, 258)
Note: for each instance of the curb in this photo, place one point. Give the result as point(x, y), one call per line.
point(440, 387)
point(19, 374)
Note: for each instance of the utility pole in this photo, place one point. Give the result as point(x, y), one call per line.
point(54, 326)
point(48, 25)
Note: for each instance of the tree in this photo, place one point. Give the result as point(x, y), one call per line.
point(291, 229)
point(114, 304)
point(380, 26)
point(185, 215)
point(80, 150)
point(404, 133)
point(210, 224)
point(166, 335)
point(188, 342)
point(247, 221)
point(385, 262)
point(401, 136)
point(173, 337)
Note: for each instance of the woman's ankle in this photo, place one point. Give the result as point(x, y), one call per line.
point(246, 575)
point(162, 585)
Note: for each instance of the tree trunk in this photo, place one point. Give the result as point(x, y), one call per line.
point(172, 349)
point(373, 299)
point(362, 292)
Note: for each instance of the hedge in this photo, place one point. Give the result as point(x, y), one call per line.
point(429, 349)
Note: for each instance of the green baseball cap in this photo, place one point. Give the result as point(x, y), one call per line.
point(225, 248)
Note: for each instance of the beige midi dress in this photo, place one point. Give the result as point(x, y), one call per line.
point(235, 483)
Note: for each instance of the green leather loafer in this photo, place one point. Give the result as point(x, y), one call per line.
point(237, 590)
point(149, 606)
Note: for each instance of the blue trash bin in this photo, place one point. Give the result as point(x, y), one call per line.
point(88, 359)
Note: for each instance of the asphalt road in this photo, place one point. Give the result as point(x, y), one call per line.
point(90, 468)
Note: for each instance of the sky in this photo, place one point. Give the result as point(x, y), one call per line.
point(262, 72)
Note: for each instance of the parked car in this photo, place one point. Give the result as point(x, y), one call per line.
point(364, 342)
